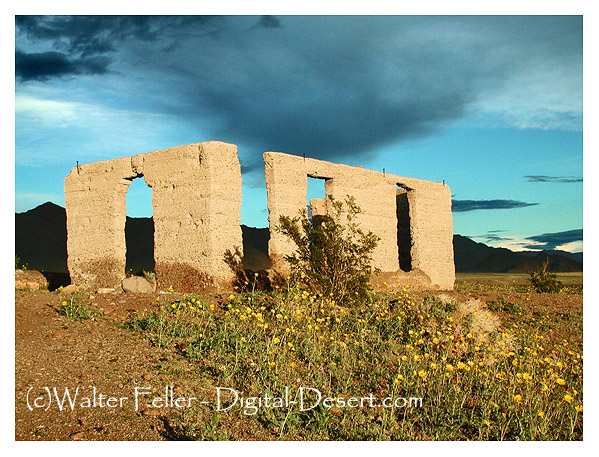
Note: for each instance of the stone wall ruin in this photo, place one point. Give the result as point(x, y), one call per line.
point(196, 201)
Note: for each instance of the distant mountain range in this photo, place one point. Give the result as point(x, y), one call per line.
point(470, 256)
point(41, 236)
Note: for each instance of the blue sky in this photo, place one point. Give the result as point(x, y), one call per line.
point(492, 105)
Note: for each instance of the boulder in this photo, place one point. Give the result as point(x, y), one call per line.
point(70, 288)
point(30, 280)
point(137, 285)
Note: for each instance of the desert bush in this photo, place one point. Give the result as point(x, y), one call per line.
point(543, 281)
point(333, 255)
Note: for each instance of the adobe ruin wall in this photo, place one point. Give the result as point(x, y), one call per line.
point(419, 210)
point(196, 201)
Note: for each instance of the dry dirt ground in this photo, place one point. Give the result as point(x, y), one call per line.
point(52, 351)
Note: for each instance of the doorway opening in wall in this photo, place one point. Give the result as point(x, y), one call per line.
point(404, 236)
point(139, 230)
point(316, 196)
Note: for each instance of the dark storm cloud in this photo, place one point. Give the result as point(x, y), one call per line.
point(553, 240)
point(460, 206)
point(90, 35)
point(495, 238)
point(489, 237)
point(269, 22)
point(45, 65)
point(331, 87)
point(553, 179)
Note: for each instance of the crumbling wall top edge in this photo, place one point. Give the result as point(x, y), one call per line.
point(116, 159)
point(317, 166)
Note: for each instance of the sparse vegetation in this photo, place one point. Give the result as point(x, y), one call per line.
point(76, 310)
point(543, 281)
point(515, 282)
point(18, 264)
point(507, 307)
point(150, 277)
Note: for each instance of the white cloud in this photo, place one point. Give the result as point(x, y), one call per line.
point(574, 246)
point(515, 243)
point(547, 101)
point(48, 113)
point(52, 130)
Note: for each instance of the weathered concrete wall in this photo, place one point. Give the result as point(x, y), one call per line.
point(429, 208)
point(196, 201)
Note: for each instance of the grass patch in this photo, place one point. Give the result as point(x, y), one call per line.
point(76, 310)
point(506, 307)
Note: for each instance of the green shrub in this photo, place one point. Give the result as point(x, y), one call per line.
point(333, 255)
point(544, 282)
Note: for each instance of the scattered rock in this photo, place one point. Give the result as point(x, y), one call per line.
point(151, 412)
point(30, 279)
point(106, 290)
point(335, 411)
point(70, 288)
point(137, 285)
point(76, 436)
